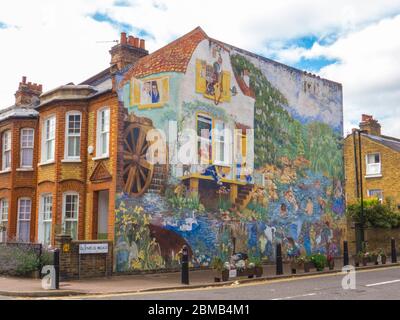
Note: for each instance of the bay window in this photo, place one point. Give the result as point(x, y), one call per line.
point(45, 218)
point(103, 133)
point(3, 219)
point(48, 139)
point(73, 135)
point(70, 214)
point(27, 141)
point(24, 219)
point(6, 151)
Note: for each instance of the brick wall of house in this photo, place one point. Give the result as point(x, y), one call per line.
point(18, 183)
point(390, 180)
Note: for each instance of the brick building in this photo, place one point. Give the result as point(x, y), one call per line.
point(266, 158)
point(380, 158)
point(58, 160)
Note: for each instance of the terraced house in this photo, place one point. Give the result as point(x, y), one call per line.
point(266, 162)
point(380, 157)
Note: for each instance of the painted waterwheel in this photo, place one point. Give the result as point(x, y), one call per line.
point(137, 171)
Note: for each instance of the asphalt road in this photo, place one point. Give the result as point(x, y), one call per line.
point(378, 284)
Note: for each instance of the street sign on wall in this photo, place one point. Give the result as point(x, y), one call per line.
point(93, 248)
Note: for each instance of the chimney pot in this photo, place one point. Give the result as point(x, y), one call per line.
point(24, 79)
point(136, 42)
point(131, 41)
point(142, 44)
point(123, 38)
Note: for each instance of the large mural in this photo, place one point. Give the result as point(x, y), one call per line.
point(269, 169)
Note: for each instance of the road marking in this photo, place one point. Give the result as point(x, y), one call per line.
point(299, 296)
point(381, 283)
point(262, 282)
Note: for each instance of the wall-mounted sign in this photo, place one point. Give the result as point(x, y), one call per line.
point(93, 248)
point(66, 247)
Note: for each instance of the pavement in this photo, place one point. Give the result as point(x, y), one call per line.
point(370, 284)
point(19, 287)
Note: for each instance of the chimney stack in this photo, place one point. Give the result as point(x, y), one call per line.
point(27, 93)
point(369, 124)
point(128, 51)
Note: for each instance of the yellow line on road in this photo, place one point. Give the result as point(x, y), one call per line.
point(262, 282)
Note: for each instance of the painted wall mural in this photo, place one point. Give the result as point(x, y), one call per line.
point(294, 195)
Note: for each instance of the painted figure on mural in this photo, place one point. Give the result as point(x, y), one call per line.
point(155, 94)
point(146, 93)
point(309, 207)
point(290, 197)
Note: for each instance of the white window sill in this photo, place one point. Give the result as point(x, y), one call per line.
point(5, 171)
point(71, 161)
point(24, 169)
point(46, 163)
point(369, 176)
point(101, 158)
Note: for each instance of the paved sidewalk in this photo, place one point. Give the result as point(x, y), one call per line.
point(19, 287)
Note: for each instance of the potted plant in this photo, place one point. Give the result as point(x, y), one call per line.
point(365, 258)
point(218, 266)
point(251, 270)
point(319, 261)
point(374, 257)
point(382, 255)
point(225, 271)
point(331, 262)
point(241, 268)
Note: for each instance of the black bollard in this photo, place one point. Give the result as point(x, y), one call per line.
point(57, 267)
point(345, 254)
point(279, 263)
point(185, 265)
point(394, 253)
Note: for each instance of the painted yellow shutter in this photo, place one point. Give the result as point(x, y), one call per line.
point(226, 84)
point(200, 80)
point(135, 92)
point(165, 89)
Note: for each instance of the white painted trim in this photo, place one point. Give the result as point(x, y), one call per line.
point(20, 146)
point(24, 220)
point(65, 194)
point(101, 158)
point(98, 133)
point(71, 161)
point(72, 113)
point(43, 137)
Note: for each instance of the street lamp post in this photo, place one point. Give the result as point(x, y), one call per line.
point(359, 183)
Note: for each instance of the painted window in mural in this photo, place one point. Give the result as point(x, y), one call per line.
point(150, 93)
point(204, 129)
point(212, 81)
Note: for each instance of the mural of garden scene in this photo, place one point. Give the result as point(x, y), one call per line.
point(296, 192)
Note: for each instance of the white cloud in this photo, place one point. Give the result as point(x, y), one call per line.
point(54, 42)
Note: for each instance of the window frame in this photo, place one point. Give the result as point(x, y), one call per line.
point(200, 138)
point(4, 234)
point(42, 220)
point(100, 133)
point(68, 135)
point(374, 195)
point(25, 219)
point(64, 219)
point(218, 138)
point(368, 173)
point(44, 156)
point(22, 148)
point(5, 145)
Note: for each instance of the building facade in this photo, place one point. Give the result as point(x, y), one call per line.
point(380, 156)
point(198, 143)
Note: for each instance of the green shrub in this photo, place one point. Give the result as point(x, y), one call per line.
point(376, 214)
point(27, 261)
point(319, 261)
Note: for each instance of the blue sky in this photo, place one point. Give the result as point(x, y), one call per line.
point(354, 42)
